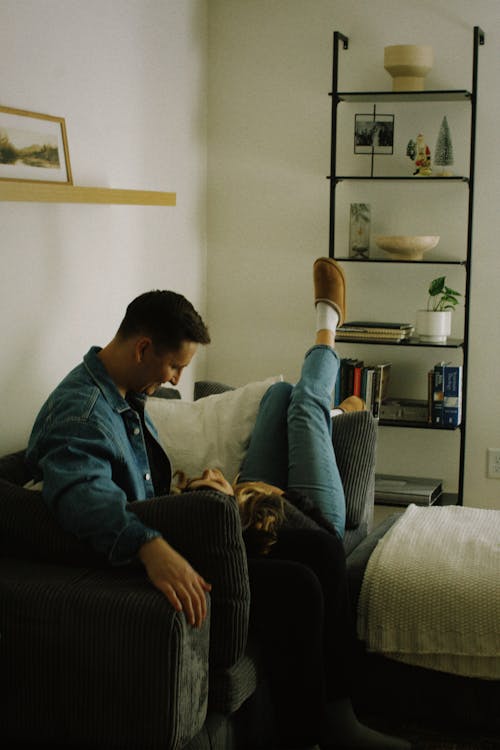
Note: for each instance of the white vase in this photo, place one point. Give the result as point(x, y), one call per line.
point(408, 64)
point(434, 327)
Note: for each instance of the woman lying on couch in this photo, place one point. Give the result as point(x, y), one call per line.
point(299, 601)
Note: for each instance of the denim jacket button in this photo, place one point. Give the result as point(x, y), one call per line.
point(147, 477)
point(136, 431)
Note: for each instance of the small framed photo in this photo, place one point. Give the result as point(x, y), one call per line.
point(373, 134)
point(33, 147)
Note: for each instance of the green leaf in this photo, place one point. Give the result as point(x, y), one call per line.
point(437, 286)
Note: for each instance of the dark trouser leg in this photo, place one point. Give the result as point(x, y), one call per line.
point(299, 610)
point(324, 554)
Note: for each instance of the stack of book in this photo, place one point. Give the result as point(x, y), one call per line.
point(366, 330)
point(369, 382)
point(445, 394)
point(405, 410)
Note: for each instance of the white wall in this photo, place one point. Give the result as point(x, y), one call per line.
point(268, 146)
point(128, 76)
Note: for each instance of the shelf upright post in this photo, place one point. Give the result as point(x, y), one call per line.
point(337, 38)
point(479, 39)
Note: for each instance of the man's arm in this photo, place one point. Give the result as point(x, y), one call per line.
point(173, 576)
point(80, 490)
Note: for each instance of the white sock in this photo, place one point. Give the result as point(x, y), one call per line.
point(327, 318)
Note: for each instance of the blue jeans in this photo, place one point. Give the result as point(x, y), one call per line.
point(291, 443)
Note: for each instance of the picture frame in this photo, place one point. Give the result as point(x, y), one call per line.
point(33, 147)
point(373, 133)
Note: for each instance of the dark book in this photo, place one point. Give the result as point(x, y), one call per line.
point(452, 395)
point(371, 325)
point(437, 394)
point(382, 375)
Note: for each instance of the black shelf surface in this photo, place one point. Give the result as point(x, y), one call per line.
point(447, 95)
point(416, 425)
point(426, 180)
point(413, 341)
point(446, 498)
point(406, 262)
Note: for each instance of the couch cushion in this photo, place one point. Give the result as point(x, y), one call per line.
point(203, 388)
point(212, 432)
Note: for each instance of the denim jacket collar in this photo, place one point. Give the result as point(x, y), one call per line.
point(104, 382)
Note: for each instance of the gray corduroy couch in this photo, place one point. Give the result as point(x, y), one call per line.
point(95, 657)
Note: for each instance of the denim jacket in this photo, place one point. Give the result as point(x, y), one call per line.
point(88, 447)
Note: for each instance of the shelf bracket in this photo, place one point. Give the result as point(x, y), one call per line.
point(345, 39)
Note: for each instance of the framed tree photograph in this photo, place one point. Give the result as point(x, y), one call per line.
point(33, 147)
point(373, 134)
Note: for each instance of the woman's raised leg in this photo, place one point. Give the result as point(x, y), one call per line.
point(312, 467)
point(266, 459)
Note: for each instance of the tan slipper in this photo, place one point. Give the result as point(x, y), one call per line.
point(352, 403)
point(329, 285)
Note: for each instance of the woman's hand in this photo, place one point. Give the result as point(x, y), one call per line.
point(176, 579)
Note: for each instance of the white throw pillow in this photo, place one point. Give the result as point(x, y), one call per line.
point(211, 433)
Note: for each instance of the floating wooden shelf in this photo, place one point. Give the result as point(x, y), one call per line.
point(42, 192)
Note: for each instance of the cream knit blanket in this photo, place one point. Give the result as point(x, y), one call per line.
point(431, 591)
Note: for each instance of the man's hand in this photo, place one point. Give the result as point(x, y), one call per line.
point(173, 576)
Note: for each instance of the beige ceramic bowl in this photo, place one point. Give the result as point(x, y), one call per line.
point(407, 248)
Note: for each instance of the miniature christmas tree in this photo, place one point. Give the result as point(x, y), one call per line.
point(443, 155)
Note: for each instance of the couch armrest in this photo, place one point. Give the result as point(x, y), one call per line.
point(97, 657)
point(203, 526)
point(354, 437)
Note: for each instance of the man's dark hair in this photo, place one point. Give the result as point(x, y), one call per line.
point(166, 317)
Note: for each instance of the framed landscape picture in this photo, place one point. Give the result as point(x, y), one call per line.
point(373, 134)
point(33, 147)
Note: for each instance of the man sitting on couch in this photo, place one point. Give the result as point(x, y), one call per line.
point(96, 450)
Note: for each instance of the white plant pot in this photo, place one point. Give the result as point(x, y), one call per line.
point(434, 327)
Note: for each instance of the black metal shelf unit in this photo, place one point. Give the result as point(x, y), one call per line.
point(469, 97)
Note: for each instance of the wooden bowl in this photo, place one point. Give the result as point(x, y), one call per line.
point(407, 248)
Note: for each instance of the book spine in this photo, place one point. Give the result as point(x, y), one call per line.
point(336, 390)
point(438, 394)
point(382, 383)
point(357, 376)
point(368, 395)
point(452, 395)
point(430, 391)
point(343, 379)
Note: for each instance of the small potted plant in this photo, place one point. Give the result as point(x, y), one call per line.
point(434, 323)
